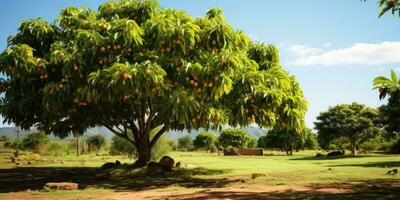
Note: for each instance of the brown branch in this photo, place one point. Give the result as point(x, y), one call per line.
point(158, 135)
point(125, 136)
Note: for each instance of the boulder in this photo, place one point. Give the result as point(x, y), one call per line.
point(320, 155)
point(62, 185)
point(154, 168)
point(109, 165)
point(167, 163)
point(178, 165)
point(255, 175)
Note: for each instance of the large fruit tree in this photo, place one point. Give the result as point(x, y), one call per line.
point(140, 70)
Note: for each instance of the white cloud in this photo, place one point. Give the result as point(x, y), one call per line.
point(359, 54)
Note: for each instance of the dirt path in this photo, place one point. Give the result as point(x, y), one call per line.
point(235, 192)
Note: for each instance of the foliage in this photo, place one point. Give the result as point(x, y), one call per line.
point(282, 139)
point(96, 142)
point(133, 66)
point(185, 143)
point(120, 146)
point(354, 121)
point(390, 113)
point(162, 148)
point(395, 148)
point(34, 141)
point(206, 140)
point(235, 138)
point(389, 5)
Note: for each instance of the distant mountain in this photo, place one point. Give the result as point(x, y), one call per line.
point(13, 132)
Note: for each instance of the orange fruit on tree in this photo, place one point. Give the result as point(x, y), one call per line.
point(102, 49)
point(210, 85)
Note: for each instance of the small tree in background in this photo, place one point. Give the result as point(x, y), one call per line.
point(185, 143)
point(95, 142)
point(282, 139)
point(235, 138)
point(34, 141)
point(206, 140)
point(353, 121)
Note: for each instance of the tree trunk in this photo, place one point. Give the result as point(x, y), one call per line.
point(353, 146)
point(143, 151)
point(77, 145)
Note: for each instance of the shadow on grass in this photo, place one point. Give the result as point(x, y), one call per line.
point(34, 178)
point(364, 189)
point(386, 164)
point(332, 157)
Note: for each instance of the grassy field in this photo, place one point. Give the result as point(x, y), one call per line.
point(299, 176)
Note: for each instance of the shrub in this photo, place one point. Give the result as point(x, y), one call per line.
point(235, 138)
point(395, 148)
point(58, 148)
point(34, 141)
point(185, 143)
point(120, 146)
point(95, 142)
point(205, 140)
point(161, 148)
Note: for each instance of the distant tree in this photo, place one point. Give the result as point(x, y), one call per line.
point(206, 140)
point(4, 138)
point(235, 138)
point(185, 143)
point(132, 66)
point(96, 142)
point(282, 139)
point(34, 141)
point(353, 121)
point(310, 141)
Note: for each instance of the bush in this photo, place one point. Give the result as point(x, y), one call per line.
point(205, 140)
point(161, 148)
point(34, 141)
point(185, 143)
point(120, 146)
point(95, 142)
point(235, 138)
point(395, 148)
point(58, 148)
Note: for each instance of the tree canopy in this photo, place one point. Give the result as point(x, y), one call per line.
point(390, 113)
point(353, 121)
point(133, 66)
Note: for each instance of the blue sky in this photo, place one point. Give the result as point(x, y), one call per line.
point(334, 48)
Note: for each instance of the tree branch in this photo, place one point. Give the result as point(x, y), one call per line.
point(158, 135)
point(125, 136)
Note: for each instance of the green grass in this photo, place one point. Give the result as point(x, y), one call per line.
point(204, 170)
point(303, 167)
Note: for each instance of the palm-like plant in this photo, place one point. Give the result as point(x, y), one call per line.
point(387, 86)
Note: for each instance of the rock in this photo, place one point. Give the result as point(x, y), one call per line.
point(178, 165)
point(255, 175)
point(154, 168)
point(29, 162)
point(62, 186)
point(109, 165)
point(335, 153)
point(320, 155)
point(167, 163)
point(117, 162)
